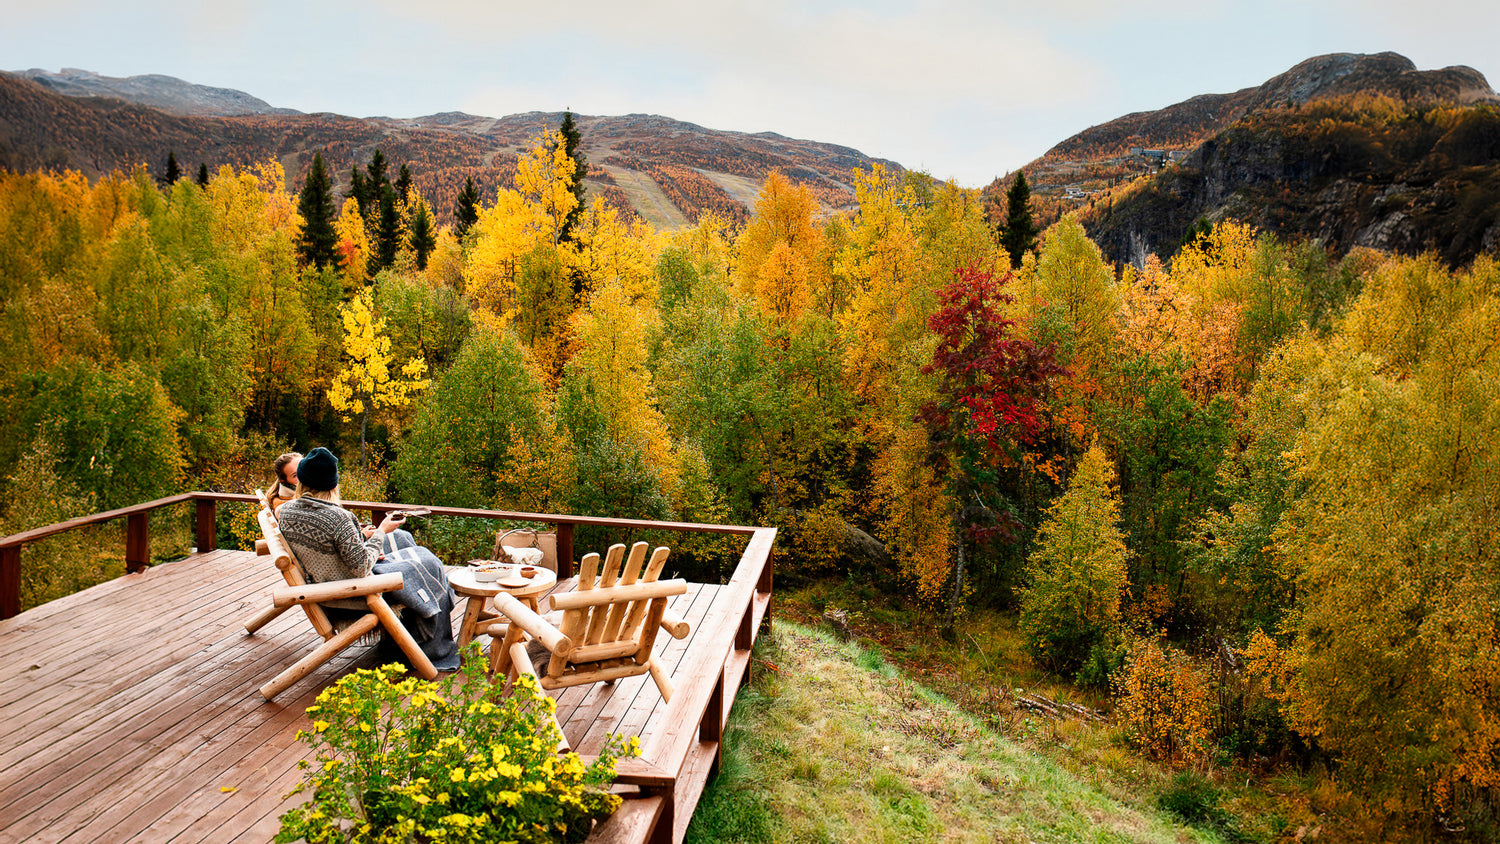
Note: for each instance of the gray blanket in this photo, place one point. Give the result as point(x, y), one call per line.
point(427, 596)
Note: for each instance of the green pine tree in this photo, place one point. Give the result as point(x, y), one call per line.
point(1018, 235)
point(318, 239)
point(387, 230)
point(466, 211)
point(423, 234)
point(174, 172)
point(202, 175)
point(359, 191)
point(403, 185)
point(571, 139)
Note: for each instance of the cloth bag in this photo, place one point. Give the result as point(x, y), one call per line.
point(519, 539)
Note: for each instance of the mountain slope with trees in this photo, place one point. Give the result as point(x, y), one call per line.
point(692, 169)
point(1353, 150)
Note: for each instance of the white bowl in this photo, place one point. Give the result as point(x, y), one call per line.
point(490, 574)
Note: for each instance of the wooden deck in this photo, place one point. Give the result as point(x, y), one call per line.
point(131, 710)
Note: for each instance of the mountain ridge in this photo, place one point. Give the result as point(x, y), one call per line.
point(1347, 149)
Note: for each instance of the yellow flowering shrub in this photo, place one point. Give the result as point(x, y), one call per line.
point(402, 760)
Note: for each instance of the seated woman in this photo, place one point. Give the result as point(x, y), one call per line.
point(285, 487)
point(326, 540)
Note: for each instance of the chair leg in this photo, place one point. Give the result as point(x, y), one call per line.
point(320, 655)
point(523, 663)
point(659, 674)
point(409, 646)
point(264, 617)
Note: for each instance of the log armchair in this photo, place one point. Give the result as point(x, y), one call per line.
point(601, 632)
point(362, 593)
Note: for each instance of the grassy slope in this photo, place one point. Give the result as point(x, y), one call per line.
point(830, 744)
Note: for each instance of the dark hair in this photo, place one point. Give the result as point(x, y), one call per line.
point(280, 464)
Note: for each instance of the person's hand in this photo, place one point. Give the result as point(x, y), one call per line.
point(368, 530)
point(390, 523)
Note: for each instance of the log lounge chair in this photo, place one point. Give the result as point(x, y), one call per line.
point(362, 593)
point(605, 629)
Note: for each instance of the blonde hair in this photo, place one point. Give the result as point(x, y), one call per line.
point(331, 495)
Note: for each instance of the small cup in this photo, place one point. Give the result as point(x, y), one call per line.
point(528, 571)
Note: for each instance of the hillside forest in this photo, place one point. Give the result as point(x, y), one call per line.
point(1250, 491)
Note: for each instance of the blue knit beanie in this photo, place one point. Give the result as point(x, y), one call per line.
point(319, 470)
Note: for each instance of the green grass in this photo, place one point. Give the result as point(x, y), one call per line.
point(832, 744)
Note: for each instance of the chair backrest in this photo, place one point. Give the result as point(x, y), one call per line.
point(614, 614)
point(281, 554)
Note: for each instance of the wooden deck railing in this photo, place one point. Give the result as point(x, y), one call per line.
point(138, 532)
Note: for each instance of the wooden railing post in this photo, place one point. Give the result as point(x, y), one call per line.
point(137, 542)
point(207, 512)
point(564, 551)
point(10, 581)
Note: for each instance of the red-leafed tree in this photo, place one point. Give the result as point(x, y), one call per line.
point(988, 406)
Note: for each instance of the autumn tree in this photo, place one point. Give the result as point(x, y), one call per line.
point(518, 269)
point(987, 406)
point(779, 251)
point(1391, 656)
point(367, 381)
point(1070, 611)
point(317, 241)
point(1018, 233)
point(1072, 278)
point(478, 435)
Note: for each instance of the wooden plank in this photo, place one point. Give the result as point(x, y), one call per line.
point(57, 658)
point(131, 650)
point(631, 823)
point(119, 744)
point(701, 761)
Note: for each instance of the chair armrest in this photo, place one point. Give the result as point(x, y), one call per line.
point(521, 616)
point(316, 593)
point(675, 626)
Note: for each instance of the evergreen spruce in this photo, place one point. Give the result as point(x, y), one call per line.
point(466, 211)
point(375, 177)
point(202, 175)
point(571, 139)
point(423, 234)
point(174, 172)
point(318, 239)
point(388, 230)
point(359, 191)
point(1018, 235)
point(403, 185)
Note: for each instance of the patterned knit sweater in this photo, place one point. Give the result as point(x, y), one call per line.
point(325, 539)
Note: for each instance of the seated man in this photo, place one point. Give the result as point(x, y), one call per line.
point(284, 489)
point(326, 540)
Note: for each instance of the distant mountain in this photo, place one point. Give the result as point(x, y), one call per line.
point(1353, 150)
point(164, 93)
point(665, 170)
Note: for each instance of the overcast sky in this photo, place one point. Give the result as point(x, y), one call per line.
point(965, 90)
